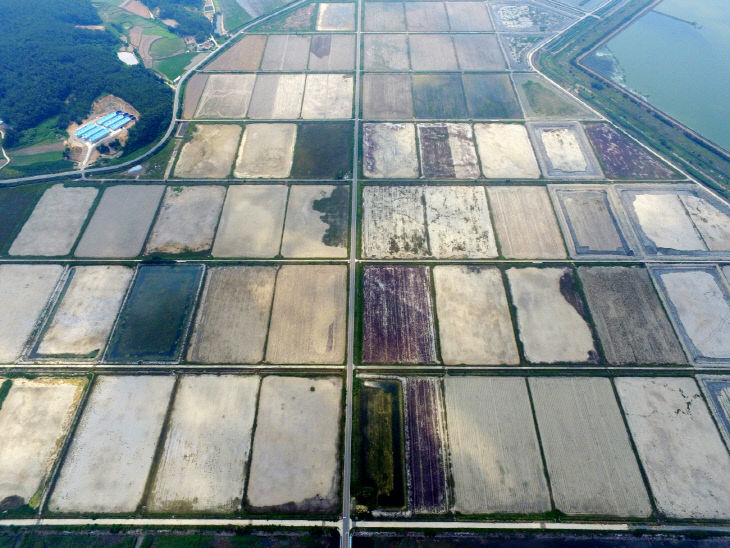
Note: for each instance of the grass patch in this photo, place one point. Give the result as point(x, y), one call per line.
point(41, 158)
point(234, 16)
point(172, 67)
point(16, 204)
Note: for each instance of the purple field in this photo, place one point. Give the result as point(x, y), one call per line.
point(425, 454)
point(622, 158)
point(398, 324)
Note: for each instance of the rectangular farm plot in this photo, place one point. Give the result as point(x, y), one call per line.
point(328, 96)
point(384, 16)
point(203, 461)
point(308, 316)
point(15, 204)
point(393, 222)
point(330, 52)
point(682, 453)
point(717, 391)
point(295, 462)
point(336, 16)
point(564, 152)
point(81, 323)
point(266, 150)
point(447, 151)
point(106, 467)
point(426, 16)
point(251, 221)
point(438, 96)
point(699, 302)
point(475, 326)
point(490, 96)
point(629, 317)
point(397, 322)
point(277, 96)
point(468, 16)
point(592, 467)
point(387, 96)
point(385, 52)
point(24, 292)
point(152, 324)
point(425, 439)
point(551, 315)
point(543, 101)
point(479, 52)
point(56, 221)
point(432, 52)
point(243, 55)
point(209, 153)
point(193, 90)
point(505, 151)
point(323, 151)
point(286, 52)
point(226, 96)
point(35, 418)
point(525, 223)
point(495, 456)
point(389, 151)
point(233, 316)
point(711, 219)
point(458, 222)
point(120, 222)
point(187, 220)
point(623, 158)
point(589, 219)
point(317, 219)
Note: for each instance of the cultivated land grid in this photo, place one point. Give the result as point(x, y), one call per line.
point(351, 367)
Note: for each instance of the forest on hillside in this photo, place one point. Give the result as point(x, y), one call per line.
point(51, 68)
point(187, 13)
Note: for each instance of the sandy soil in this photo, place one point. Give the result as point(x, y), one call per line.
point(629, 317)
point(233, 315)
point(35, 418)
point(426, 17)
point(210, 153)
point(295, 465)
point(286, 52)
point(665, 222)
point(525, 223)
point(468, 16)
point(475, 326)
point(226, 96)
point(387, 96)
point(589, 473)
point(389, 151)
point(277, 96)
point(56, 221)
point(713, 224)
point(550, 327)
point(331, 52)
point(251, 222)
point(495, 456)
point(266, 150)
point(120, 222)
point(393, 223)
point(679, 446)
point(458, 222)
point(187, 219)
point(432, 52)
point(381, 16)
point(202, 466)
point(385, 52)
point(107, 463)
point(563, 150)
point(244, 55)
point(305, 230)
point(309, 315)
point(24, 291)
point(505, 151)
point(336, 16)
point(328, 96)
point(83, 320)
point(479, 52)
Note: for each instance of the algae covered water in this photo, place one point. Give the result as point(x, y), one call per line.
point(676, 56)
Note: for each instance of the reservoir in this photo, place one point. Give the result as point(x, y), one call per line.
point(677, 56)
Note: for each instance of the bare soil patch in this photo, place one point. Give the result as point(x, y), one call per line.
point(210, 152)
point(244, 55)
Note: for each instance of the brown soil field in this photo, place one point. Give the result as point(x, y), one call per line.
point(210, 152)
point(286, 52)
point(233, 315)
point(277, 96)
point(193, 90)
point(243, 55)
point(137, 8)
point(308, 317)
point(387, 97)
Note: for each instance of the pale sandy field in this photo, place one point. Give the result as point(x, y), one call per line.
point(267, 150)
point(389, 151)
point(328, 96)
point(505, 151)
point(209, 154)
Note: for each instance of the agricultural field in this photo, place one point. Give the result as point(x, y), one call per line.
point(389, 151)
point(209, 153)
point(447, 151)
point(717, 392)
point(505, 151)
point(287, 52)
point(385, 52)
point(541, 100)
point(266, 151)
point(563, 151)
point(332, 52)
point(387, 96)
point(244, 55)
point(490, 96)
point(225, 96)
point(277, 96)
point(432, 52)
point(316, 222)
point(438, 96)
point(426, 16)
point(527, 16)
point(15, 205)
point(479, 52)
point(336, 16)
point(394, 222)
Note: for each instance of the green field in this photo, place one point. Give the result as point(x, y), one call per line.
point(233, 15)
